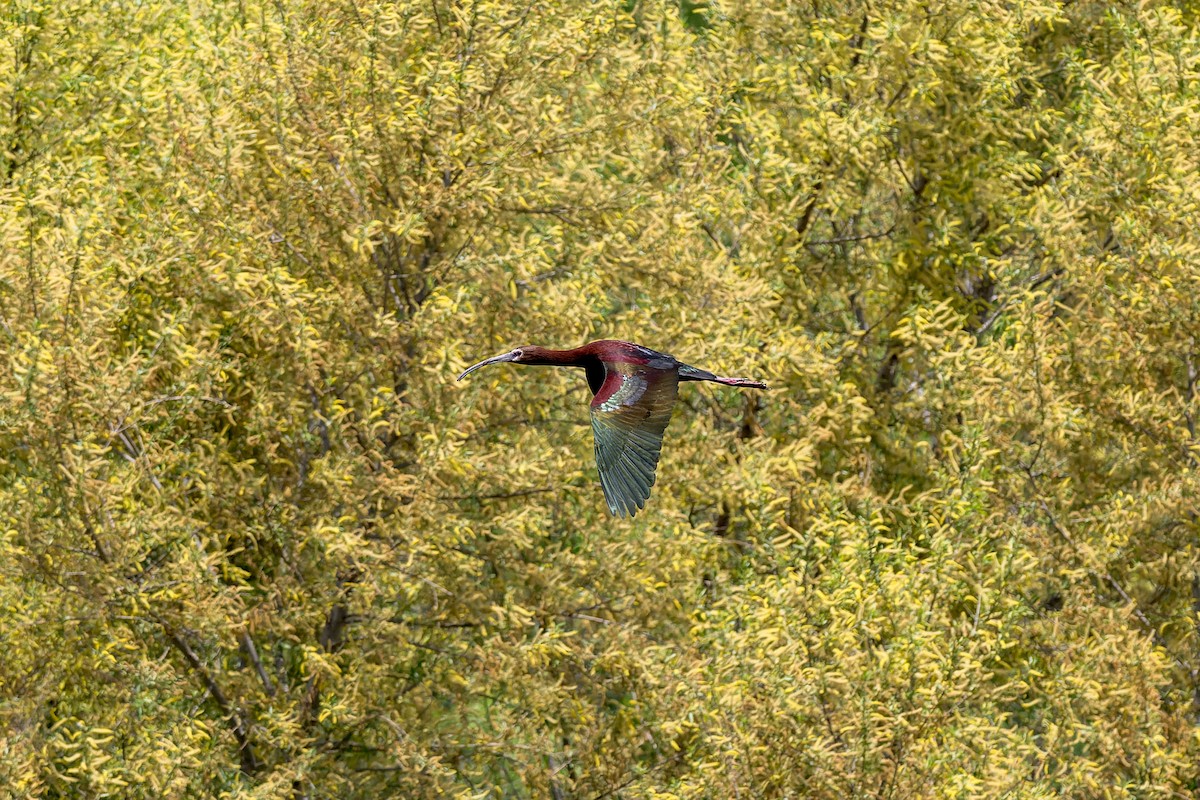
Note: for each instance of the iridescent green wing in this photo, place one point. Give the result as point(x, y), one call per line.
point(629, 414)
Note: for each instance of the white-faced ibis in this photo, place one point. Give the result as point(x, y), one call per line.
point(633, 393)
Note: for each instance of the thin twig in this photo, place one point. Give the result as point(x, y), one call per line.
point(587, 617)
point(497, 496)
point(858, 238)
point(252, 653)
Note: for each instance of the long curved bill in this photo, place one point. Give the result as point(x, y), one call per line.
point(493, 360)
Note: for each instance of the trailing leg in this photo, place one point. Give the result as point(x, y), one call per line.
point(690, 373)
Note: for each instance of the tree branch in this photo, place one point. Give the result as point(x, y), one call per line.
point(1107, 577)
point(252, 653)
point(237, 723)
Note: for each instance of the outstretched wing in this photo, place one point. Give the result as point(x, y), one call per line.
point(629, 414)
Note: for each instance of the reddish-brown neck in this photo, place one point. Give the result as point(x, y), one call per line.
point(544, 356)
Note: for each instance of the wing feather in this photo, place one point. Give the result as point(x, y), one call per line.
point(629, 415)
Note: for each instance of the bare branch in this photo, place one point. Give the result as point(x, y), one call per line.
point(252, 653)
point(237, 723)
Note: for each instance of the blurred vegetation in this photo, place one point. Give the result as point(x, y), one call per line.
point(255, 541)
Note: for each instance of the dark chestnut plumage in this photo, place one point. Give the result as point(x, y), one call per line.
point(633, 393)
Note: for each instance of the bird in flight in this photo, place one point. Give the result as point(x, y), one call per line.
point(633, 393)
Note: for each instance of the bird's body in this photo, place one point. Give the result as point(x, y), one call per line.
point(633, 393)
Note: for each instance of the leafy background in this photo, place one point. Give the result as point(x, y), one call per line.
point(255, 541)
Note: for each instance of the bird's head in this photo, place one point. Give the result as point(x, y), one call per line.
point(521, 355)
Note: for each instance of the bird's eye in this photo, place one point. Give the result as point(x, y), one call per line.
point(518, 355)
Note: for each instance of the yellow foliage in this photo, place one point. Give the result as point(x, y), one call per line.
point(255, 541)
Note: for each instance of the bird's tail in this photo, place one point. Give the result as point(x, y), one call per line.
point(689, 373)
